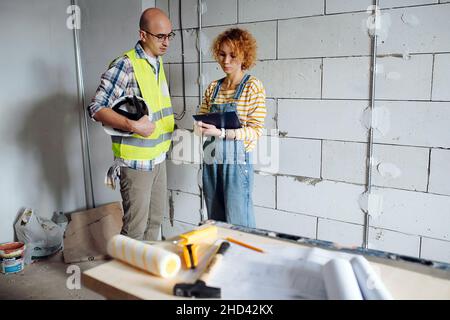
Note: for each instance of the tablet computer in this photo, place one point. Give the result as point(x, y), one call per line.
point(226, 120)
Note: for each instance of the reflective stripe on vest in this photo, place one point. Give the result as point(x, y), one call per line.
point(156, 95)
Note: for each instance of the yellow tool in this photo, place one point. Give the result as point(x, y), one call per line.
point(190, 242)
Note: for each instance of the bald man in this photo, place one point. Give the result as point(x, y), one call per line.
point(143, 179)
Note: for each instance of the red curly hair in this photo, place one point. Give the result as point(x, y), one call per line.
point(241, 42)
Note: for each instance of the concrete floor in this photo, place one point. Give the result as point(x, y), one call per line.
point(45, 279)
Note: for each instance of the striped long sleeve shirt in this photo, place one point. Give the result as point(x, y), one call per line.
point(251, 109)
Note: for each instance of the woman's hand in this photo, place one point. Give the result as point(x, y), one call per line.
point(209, 130)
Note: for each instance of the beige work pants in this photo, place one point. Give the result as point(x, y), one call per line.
point(144, 201)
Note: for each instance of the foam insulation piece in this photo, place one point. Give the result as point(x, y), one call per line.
point(378, 119)
point(389, 170)
point(371, 203)
point(381, 120)
point(363, 201)
point(380, 27)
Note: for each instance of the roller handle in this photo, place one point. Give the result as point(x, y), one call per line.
point(215, 261)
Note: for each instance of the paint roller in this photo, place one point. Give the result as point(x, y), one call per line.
point(149, 257)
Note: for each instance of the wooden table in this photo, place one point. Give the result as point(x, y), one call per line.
point(405, 280)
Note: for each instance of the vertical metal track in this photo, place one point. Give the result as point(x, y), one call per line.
point(372, 108)
point(200, 94)
point(87, 170)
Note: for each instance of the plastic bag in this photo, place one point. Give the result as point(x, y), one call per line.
point(42, 237)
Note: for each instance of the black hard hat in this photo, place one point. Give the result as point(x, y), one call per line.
point(131, 107)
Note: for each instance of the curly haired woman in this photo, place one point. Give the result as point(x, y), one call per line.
point(228, 165)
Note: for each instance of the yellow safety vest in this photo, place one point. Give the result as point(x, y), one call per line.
point(156, 95)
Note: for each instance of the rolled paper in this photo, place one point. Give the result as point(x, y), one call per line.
point(340, 281)
point(150, 258)
point(370, 283)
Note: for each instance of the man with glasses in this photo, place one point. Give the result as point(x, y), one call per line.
point(143, 179)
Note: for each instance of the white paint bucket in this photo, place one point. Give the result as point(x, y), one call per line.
point(11, 257)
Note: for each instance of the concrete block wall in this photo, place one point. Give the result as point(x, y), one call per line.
point(314, 60)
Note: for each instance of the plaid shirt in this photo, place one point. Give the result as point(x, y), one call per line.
point(117, 81)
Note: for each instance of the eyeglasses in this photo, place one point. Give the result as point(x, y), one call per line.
point(161, 37)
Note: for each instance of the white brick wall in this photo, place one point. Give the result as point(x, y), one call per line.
point(440, 172)
point(396, 77)
point(264, 190)
point(322, 119)
point(286, 222)
point(441, 77)
point(187, 122)
point(346, 78)
point(190, 47)
point(412, 164)
point(306, 154)
point(337, 6)
point(437, 250)
point(186, 207)
point(414, 213)
point(395, 242)
point(425, 30)
point(183, 177)
point(404, 3)
point(270, 122)
point(324, 36)
point(349, 78)
point(169, 231)
point(290, 78)
point(264, 33)
point(416, 124)
point(217, 13)
point(343, 234)
point(190, 79)
point(147, 4)
point(257, 10)
point(326, 199)
point(344, 161)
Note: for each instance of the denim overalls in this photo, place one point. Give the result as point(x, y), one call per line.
point(228, 172)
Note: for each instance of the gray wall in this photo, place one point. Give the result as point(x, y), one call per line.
point(41, 159)
point(108, 29)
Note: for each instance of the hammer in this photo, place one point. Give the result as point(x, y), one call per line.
point(199, 289)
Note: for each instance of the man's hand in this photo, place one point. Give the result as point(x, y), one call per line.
point(143, 127)
point(209, 130)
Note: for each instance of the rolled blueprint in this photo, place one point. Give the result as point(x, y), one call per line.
point(340, 281)
point(151, 258)
point(370, 283)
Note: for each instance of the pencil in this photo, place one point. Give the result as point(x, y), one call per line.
point(244, 244)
